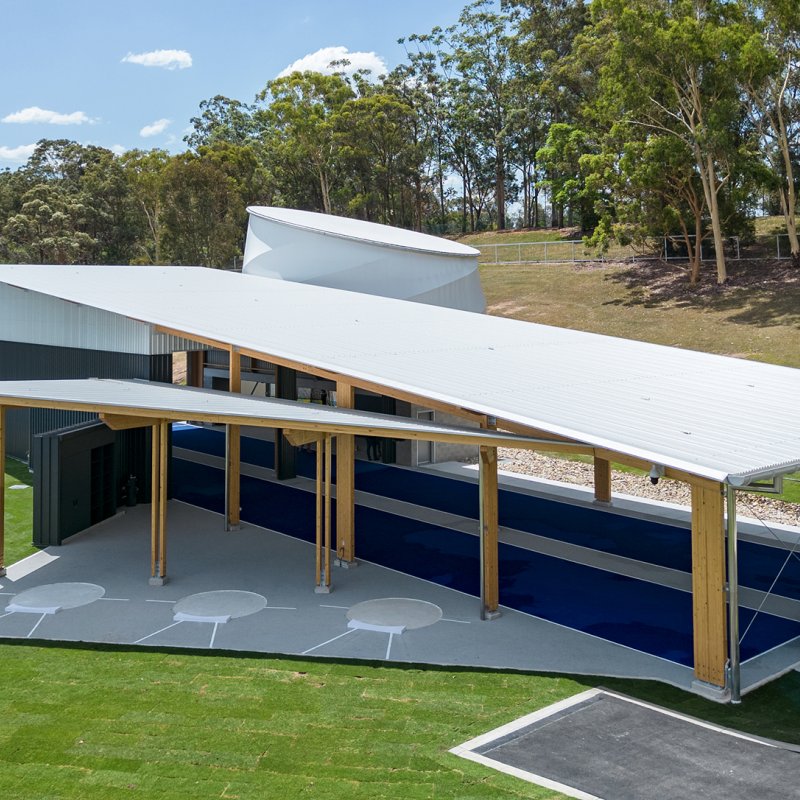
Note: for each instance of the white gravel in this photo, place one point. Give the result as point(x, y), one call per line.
point(576, 472)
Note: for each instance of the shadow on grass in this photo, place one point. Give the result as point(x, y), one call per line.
point(760, 293)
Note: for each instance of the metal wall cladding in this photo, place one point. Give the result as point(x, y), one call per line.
point(217, 358)
point(20, 361)
point(359, 256)
point(33, 318)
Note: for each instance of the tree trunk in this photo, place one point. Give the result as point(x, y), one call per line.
point(709, 180)
point(325, 191)
point(788, 198)
point(500, 187)
point(694, 275)
point(464, 202)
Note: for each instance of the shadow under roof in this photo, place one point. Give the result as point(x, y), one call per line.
point(719, 418)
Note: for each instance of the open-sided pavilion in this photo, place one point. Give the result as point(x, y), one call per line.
point(716, 423)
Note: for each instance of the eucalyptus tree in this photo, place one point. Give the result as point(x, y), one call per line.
point(771, 78)
point(201, 213)
point(84, 189)
point(222, 119)
point(296, 115)
point(480, 54)
point(672, 68)
point(551, 87)
point(423, 82)
point(49, 228)
point(145, 175)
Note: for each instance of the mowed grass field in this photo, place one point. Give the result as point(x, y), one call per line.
point(91, 722)
point(107, 723)
point(747, 322)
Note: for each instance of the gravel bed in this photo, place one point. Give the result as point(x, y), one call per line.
point(576, 472)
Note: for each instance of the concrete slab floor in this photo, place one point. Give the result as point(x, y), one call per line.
point(253, 590)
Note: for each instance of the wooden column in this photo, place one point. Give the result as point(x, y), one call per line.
point(602, 480)
point(708, 584)
point(345, 482)
point(155, 468)
point(327, 512)
point(2, 491)
point(318, 529)
point(489, 527)
point(163, 453)
point(234, 448)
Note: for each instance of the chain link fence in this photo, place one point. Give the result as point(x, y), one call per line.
point(575, 251)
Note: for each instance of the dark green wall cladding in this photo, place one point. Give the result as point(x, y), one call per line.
point(19, 361)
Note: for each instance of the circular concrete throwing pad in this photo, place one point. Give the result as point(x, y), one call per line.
point(391, 612)
point(58, 595)
point(223, 603)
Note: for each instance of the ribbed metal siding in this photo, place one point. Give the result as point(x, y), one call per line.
point(217, 358)
point(33, 318)
point(20, 361)
point(18, 432)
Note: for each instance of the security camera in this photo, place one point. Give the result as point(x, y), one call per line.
point(656, 472)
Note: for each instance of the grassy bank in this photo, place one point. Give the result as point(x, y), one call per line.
point(654, 304)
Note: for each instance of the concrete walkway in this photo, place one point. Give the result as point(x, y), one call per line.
point(253, 590)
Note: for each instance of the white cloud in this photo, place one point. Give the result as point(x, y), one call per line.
point(118, 149)
point(18, 154)
point(168, 59)
point(321, 60)
point(43, 116)
point(154, 128)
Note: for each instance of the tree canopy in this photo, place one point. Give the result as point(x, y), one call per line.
point(631, 119)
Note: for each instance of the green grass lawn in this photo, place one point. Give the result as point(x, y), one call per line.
point(85, 723)
point(19, 511)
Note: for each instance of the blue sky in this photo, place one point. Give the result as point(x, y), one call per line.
point(124, 74)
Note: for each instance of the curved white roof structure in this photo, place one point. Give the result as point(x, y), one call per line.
point(359, 256)
point(719, 418)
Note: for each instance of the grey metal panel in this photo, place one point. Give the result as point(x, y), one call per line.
point(34, 318)
point(18, 427)
point(32, 361)
point(219, 358)
point(64, 485)
point(709, 415)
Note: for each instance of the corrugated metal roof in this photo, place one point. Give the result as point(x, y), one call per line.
point(179, 402)
point(363, 231)
point(709, 415)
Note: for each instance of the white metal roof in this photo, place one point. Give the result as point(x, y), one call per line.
point(361, 256)
point(713, 416)
point(372, 232)
point(180, 402)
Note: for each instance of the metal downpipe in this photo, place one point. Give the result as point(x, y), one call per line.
point(734, 667)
